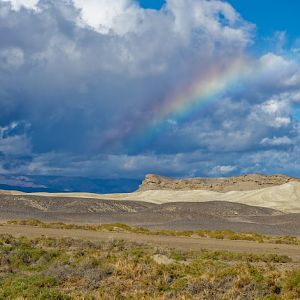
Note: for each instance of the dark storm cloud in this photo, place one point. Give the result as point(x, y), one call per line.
point(84, 75)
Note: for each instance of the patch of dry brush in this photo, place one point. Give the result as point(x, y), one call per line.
point(217, 234)
point(48, 268)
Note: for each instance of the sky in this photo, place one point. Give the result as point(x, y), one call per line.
point(119, 89)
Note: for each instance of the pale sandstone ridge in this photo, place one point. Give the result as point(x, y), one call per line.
point(277, 192)
point(285, 197)
point(247, 182)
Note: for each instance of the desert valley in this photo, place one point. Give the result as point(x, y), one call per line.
point(249, 223)
point(265, 204)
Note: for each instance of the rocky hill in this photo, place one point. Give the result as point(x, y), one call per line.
point(224, 184)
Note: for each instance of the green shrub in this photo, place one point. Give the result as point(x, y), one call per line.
point(293, 282)
point(30, 287)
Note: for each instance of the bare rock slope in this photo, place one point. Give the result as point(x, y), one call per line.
point(240, 183)
point(176, 215)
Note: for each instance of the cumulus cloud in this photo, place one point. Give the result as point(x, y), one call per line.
point(104, 16)
point(91, 77)
point(276, 69)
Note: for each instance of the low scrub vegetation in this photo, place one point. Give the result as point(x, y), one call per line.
point(118, 227)
point(48, 268)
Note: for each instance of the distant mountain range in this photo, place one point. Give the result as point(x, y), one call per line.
point(56, 184)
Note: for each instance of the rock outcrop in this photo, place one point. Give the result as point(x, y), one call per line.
point(224, 184)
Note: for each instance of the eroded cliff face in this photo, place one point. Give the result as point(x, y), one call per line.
point(224, 184)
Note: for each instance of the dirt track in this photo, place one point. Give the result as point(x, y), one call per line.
point(172, 242)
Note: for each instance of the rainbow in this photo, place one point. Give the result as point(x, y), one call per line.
point(202, 90)
point(194, 97)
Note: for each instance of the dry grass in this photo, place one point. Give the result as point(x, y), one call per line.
point(118, 227)
point(48, 268)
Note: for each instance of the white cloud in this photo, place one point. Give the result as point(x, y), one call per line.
point(271, 61)
point(222, 170)
point(272, 106)
point(190, 14)
point(279, 70)
point(15, 145)
point(5, 130)
point(19, 181)
point(288, 97)
point(106, 16)
point(14, 142)
point(281, 122)
point(183, 18)
point(277, 141)
point(18, 4)
point(274, 113)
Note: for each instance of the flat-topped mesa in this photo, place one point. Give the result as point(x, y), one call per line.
point(224, 184)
